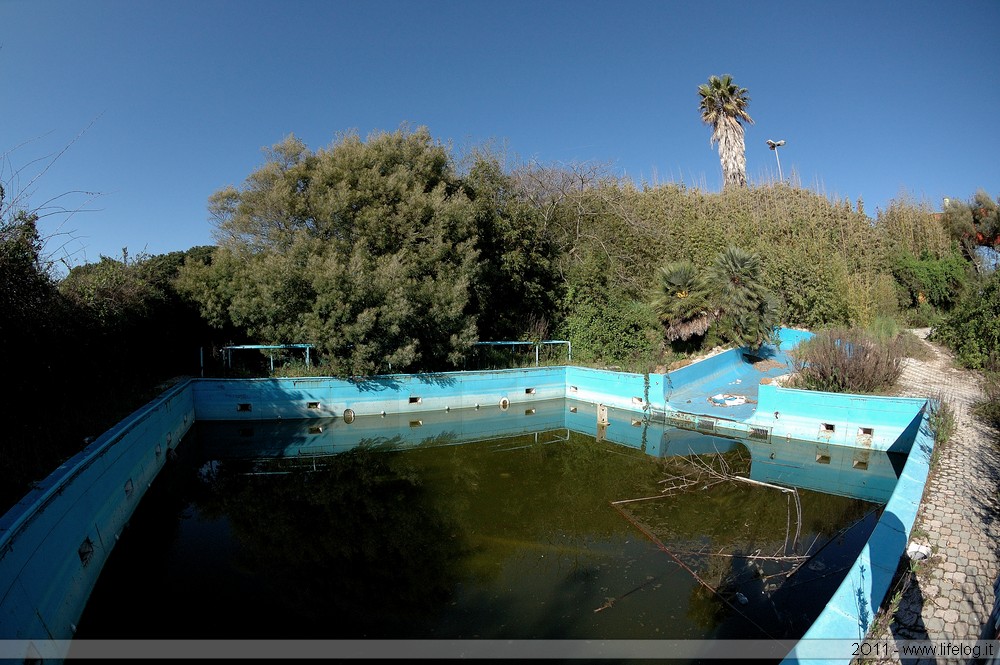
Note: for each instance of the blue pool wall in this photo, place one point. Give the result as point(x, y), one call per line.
point(324, 397)
point(863, 421)
point(854, 606)
point(724, 368)
point(839, 419)
point(55, 541)
point(44, 582)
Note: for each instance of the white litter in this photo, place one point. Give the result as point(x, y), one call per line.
point(727, 400)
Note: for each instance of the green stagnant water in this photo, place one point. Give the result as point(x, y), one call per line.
point(553, 534)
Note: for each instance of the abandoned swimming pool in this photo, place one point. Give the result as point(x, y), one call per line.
point(55, 542)
point(463, 532)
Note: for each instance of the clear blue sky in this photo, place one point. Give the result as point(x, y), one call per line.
point(159, 104)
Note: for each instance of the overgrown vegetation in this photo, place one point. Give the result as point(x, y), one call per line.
point(728, 300)
point(847, 360)
point(86, 350)
point(972, 329)
point(390, 254)
point(988, 409)
point(942, 421)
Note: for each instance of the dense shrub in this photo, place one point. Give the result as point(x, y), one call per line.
point(748, 313)
point(847, 360)
point(939, 282)
point(605, 323)
point(972, 329)
point(683, 302)
point(617, 333)
point(813, 284)
point(809, 246)
point(729, 298)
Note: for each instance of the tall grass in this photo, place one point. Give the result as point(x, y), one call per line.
point(988, 409)
point(847, 360)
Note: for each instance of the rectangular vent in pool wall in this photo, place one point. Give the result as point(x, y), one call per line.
point(416, 423)
point(759, 434)
point(244, 407)
point(415, 400)
point(826, 430)
point(865, 435)
point(129, 488)
point(680, 421)
point(638, 401)
point(316, 429)
point(529, 412)
point(822, 459)
point(572, 409)
point(636, 422)
point(529, 391)
point(573, 389)
point(705, 425)
point(312, 405)
point(860, 464)
point(86, 550)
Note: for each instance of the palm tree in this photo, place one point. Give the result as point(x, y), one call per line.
point(748, 312)
point(682, 303)
point(723, 106)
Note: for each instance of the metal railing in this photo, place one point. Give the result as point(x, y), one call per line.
point(537, 345)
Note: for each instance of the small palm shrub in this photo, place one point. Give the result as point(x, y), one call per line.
point(729, 298)
point(682, 304)
point(847, 360)
point(748, 312)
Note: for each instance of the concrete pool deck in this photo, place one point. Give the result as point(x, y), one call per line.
point(953, 592)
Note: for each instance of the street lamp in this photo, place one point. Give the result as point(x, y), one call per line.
point(774, 145)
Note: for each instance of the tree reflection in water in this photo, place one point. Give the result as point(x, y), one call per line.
point(358, 538)
point(513, 538)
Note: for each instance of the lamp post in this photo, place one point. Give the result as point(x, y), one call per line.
point(774, 145)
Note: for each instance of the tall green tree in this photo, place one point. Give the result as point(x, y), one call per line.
point(517, 288)
point(26, 286)
point(724, 106)
point(366, 249)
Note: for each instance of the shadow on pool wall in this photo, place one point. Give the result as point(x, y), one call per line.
point(54, 542)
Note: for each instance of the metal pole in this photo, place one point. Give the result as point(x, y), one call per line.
point(774, 145)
